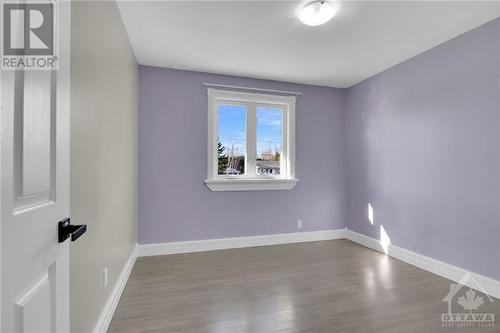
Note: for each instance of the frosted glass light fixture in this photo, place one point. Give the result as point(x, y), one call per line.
point(318, 12)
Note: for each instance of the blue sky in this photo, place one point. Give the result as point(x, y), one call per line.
point(232, 120)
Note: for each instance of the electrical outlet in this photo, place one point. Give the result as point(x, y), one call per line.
point(105, 277)
point(299, 224)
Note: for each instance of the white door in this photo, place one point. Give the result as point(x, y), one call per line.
point(35, 192)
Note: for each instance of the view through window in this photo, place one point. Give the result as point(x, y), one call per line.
point(232, 148)
point(268, 141)
point(231, 145)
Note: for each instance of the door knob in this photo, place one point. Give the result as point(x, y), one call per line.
point(66, 229)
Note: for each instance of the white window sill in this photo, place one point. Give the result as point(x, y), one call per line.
point(250, 184)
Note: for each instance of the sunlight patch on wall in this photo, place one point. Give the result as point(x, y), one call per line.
point(370, 213)
point(385, 241)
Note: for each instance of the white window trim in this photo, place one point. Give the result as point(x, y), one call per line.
point(251, 181)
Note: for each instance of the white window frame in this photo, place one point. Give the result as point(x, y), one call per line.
point(251, 181)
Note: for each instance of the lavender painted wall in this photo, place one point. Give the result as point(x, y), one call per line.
point(423, 148)
point(175, 204)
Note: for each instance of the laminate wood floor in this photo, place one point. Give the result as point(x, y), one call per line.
point(327, 286)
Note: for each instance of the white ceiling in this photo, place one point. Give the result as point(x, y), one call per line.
point(264, 39)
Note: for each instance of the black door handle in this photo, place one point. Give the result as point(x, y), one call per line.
point(66, 229)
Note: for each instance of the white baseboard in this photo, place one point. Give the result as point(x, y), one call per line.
point(110, 307)
point(453, 273)
point(237, 242)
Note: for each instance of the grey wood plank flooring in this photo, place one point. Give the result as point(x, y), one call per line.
point(327, 286)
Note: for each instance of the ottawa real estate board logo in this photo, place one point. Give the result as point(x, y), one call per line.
point(467, 307)
point(28, 36)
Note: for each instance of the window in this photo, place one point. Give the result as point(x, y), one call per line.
point(251, 141)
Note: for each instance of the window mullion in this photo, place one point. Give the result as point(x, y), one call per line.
point(251, 164)
point(284, 164)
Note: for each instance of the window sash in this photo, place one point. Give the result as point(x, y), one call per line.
point(218, 103)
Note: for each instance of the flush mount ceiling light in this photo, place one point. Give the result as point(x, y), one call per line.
point(317, 12)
